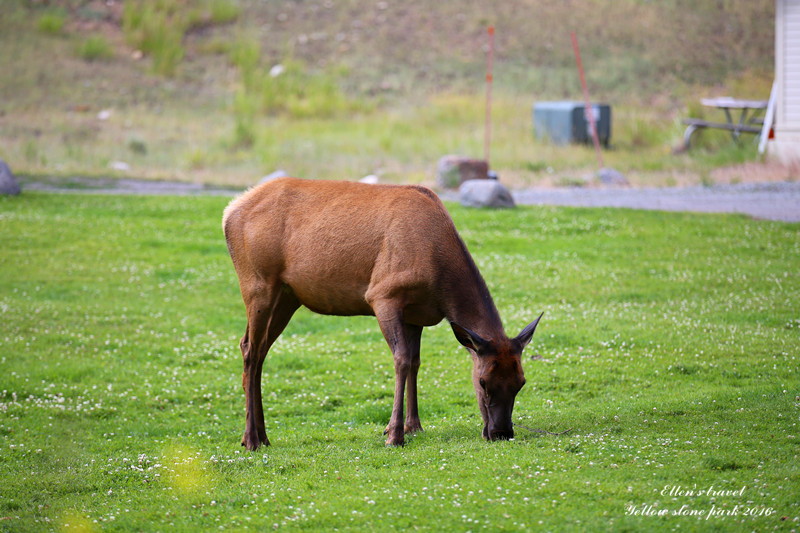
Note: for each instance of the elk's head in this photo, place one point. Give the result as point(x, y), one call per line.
point(497, 376)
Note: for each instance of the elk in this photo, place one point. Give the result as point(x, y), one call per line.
point(343, 248)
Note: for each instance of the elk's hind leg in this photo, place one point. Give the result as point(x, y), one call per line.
point(413, 337)
point(268, 313)
point(252, 387)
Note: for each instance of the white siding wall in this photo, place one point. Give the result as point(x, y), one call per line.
point(785, 148)
point(791, 63)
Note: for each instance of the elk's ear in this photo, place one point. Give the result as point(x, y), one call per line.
point(470, 340)
point(525, 337)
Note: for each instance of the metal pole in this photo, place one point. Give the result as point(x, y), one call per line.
point(589, 111)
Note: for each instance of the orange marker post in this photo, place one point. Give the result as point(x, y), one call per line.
point(588, 109)
point(488, 122)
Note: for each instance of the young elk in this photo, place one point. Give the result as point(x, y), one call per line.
point(343, 248)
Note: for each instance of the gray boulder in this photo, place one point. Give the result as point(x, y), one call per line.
point(610, 176)
point(453, 170)
point(280, 173)
point(8, 183)
point(484, 193)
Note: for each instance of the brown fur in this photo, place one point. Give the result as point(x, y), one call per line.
point(343, 248)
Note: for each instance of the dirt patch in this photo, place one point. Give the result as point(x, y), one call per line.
point(754, 172)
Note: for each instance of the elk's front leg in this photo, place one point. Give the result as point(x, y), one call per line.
point(395, 431)
point(394, 331)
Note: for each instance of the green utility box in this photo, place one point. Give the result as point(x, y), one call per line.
point(567, 122)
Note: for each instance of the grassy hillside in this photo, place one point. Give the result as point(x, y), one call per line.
point(366, 87)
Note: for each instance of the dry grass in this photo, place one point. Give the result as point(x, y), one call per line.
point(409, 82)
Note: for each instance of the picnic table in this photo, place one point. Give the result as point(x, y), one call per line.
point(748, 121)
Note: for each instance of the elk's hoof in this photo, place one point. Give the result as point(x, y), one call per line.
point(394, 436)
point(395, 441)
point(253, 443)
point(413, 427)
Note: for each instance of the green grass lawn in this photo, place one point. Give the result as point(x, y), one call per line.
point(669, 346)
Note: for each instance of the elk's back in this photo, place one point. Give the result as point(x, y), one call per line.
point(339, 245)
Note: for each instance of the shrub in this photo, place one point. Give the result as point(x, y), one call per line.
point(51, 22)
point(223, 11)
point(137, 146)
point(95, 48)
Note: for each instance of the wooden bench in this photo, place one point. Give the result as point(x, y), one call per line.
point(694, 124)
point(748, 120)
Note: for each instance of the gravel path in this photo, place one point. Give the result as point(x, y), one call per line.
point(771, 201)
point(83, 185)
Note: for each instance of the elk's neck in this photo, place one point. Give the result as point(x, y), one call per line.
point(468, 302)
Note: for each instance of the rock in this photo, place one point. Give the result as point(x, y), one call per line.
point(280, 173)
point(372, 179)
point(120, 166)
point(8, 183)
point(276, 70)
point(609, 176)
point(484, 193)
point(453, 170)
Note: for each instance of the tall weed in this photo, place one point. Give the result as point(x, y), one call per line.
point(287, 88)
point(245, 54)
point(245, 110)
point(638, 130)
point(157, 28)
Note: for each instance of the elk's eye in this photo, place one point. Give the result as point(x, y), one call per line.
point(482, 383)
